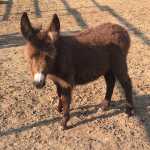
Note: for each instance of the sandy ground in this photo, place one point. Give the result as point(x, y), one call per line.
point(28, 117)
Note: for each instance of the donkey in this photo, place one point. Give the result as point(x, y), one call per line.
point(76, 59)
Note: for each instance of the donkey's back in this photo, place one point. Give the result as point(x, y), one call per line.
point(104, 35)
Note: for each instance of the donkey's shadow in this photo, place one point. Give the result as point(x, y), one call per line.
point(142, 106)
point(82, 111)
point(86, 111)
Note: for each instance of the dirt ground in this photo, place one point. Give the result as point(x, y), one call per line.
point(28, 117)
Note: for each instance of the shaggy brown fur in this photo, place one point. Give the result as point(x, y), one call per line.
point(79, 59)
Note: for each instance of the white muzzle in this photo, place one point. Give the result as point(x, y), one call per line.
point(39, 77)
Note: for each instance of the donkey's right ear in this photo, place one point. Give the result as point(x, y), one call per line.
point(26, 27)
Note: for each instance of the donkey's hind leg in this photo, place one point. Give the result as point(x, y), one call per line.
point(110, 83)
point(125, 82)
point(121, 72)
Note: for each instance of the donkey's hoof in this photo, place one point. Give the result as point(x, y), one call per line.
point(130, 111)
point(104, 105)
point(59, 109)
point(64, 126)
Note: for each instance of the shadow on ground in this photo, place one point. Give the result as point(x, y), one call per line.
point(37, 8)
point(142, 106)
point(76, 14)
point(16, 39)
point(88, 110)
point(7, 9)
point(11, 40)
point(9, 4)
point(123, 21)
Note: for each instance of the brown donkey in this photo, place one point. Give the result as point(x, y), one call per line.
point(78, 59)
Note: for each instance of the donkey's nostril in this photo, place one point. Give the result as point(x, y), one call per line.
point(38, 85)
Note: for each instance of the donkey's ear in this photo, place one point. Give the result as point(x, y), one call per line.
point(26, 27)
point(55, 24)
point(54, 28)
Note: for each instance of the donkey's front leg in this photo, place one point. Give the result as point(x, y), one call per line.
point(66, 100)
point(59, 93)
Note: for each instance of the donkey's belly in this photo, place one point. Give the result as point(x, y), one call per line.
point(84, 77)
point(90, 63)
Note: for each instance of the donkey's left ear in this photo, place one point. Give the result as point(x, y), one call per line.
point(26, 27)
point(54, 28)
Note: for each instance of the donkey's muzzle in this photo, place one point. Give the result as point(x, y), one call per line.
point(39, 85)
point(39, 80)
